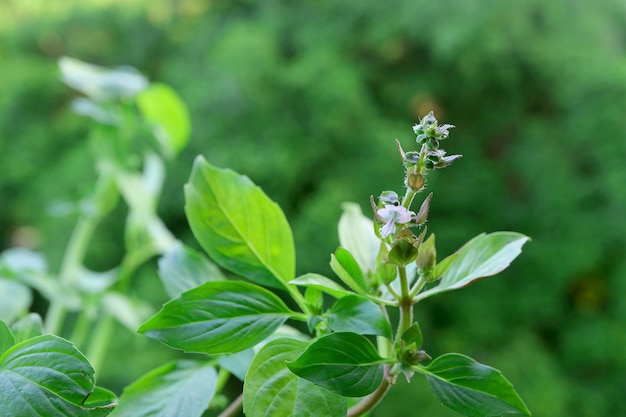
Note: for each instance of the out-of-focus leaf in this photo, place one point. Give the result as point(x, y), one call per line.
point(128, 311)
point(356, 234)
point(182, 269)
point(164, 109)
point(101, 83)
point(15, 299)
point(27, 327)
point(95, 282)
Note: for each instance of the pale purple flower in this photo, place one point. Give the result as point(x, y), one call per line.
point(393, 215)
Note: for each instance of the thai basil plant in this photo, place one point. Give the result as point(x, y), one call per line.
point(303, 346)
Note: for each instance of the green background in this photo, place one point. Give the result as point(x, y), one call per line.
point(307, 97)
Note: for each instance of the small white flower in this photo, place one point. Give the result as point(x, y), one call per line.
point(393, 215)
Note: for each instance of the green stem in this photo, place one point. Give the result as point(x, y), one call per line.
point(417, 287)
point(100, 339)
point(374, 398)
point(81, 328)
point(222, 379)
point(298, 298)
point(103, 333)
point(405, 303)
point(234, 408)
point(74, 255)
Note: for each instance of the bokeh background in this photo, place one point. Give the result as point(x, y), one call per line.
point(307, 97)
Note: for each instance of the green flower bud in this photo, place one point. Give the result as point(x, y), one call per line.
point(402, 253)
point(427, 255)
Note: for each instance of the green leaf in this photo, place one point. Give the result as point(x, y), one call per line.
point(179, 388)
point(130, 312)
point(15, 299)
point(239, 227)
point(345, 363)
point(271, 390)
point(17, 261)
point(237, 363)
point(101, 83)
point(218, 317)
point(6, 337)
point(46, 376)
point(182, 269)
point(471, 388)
point(443, 266)
point(322, 283)
point(101, 398)
point(28, 326)
point(359, 315)
point(356, 234)
point(161, 106)
point(92, 282)
point(483, 256)
point(347, 269)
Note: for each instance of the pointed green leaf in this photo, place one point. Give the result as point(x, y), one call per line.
point(46, 376)
point(240, 228)
point(28, 326)
point(322, 283)
point(218, 317)
point(179, 388)
point(271, 390)
point(345, 363)
point(182, 269)
point(6, 337)
point(356, 234)
point(161, 106)
point(483, 256)
point(359, 315)
point(347, 269)
point(471, 388)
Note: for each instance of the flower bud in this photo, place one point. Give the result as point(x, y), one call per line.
point(427, 255)
point(415, 181)
point(402, 253)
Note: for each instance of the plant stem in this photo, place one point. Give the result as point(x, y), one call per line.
point(101, 337)
point(76, 248)
point(222, 378)
point(375, 397)
point(298, 298)
point(234, 408)
point(405, 303)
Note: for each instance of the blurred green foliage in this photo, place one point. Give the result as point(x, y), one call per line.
point(306, 99)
